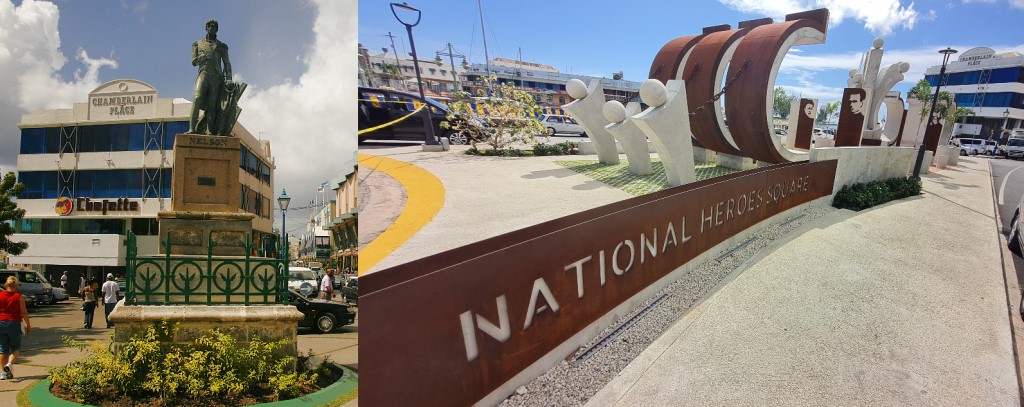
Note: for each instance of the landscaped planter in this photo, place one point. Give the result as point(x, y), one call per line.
point(39, 394)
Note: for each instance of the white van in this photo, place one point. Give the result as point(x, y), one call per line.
point(975, 146)
point(1015, 147)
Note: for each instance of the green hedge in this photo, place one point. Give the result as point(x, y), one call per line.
point(563, 148)
point(863, 196)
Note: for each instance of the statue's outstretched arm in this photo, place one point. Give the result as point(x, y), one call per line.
point(195, 54)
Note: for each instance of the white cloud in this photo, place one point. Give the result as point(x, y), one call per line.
point(879, 16)
point(310, 122)
point(30, 61)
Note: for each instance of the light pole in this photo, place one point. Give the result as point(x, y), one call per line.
point(282, 202)
point(931, 112)
point(1006, 118)
point(428, 122)
point(451, 54)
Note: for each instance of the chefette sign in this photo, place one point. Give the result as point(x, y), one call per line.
point(451, 328)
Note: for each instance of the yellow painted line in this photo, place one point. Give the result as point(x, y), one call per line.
point(424, 198)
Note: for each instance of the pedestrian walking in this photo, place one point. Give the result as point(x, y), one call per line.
point(110, 290)
point(12, 313)
point(64, 280)
point(89, 305)
point(327, 285)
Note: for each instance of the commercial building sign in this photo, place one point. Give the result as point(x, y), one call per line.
point(122, 99)
point(974, 56)
point(65, 206)
point(461, 323)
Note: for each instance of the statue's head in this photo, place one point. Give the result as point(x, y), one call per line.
point(212, 26)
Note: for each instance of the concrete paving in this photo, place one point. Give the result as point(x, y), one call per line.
point(381, 200)
point(532, 190)
point(902, 304)
point(43, 348)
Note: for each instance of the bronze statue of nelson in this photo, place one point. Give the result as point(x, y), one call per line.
point(216, 95)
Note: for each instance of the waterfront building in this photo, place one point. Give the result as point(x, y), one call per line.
point(101, 168)
point(545, 83)
point(383, 69)
point(344, 226)
point(989, 83)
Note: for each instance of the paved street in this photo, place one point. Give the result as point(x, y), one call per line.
point(43, 348)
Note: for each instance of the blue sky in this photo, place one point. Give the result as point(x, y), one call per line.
point(297, 56)
point(598, 38)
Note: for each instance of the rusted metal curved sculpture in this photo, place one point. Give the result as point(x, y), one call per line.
point(750, 116)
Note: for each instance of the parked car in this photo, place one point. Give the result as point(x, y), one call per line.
point(304, 280)
point(59, 294)
point(380, 108)
point(322, 315)
point(556, 123)
point(1014, 240)
point(31, 284)
point(350, 292)
point(1014, 148)
point(975, 146)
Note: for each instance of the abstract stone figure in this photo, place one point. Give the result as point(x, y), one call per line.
point(667, 124)
point(896, 113)
point(587, 110)
point(876, 83)
point(629, 135)
point(216, 95)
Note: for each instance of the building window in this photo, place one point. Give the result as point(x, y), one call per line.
point(101, 138)
point(561, 100)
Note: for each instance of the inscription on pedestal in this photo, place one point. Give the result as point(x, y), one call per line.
point(186, 237)
point(228, 238)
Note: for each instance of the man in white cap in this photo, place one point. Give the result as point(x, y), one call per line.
point(109, 289)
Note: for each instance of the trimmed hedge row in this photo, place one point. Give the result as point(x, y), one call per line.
point(862, 196)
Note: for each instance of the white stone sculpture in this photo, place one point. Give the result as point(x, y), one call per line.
point(667, 123)
point(587, 110)
point(876, 83)
point(630, 137)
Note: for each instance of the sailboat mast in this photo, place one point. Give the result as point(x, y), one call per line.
point(487, 58)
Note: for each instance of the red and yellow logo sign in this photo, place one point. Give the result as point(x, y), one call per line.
point(63, 206)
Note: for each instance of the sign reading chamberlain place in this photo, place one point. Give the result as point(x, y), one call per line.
point(451, 328)
point(122, 99)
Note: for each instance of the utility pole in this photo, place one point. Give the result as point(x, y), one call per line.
point(398, 64)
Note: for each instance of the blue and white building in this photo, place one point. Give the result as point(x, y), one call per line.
point(990, 83)
point(101, 168)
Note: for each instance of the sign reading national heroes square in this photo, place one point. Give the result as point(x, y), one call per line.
point(450, 328)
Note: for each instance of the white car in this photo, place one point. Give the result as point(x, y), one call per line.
point(304, 280)
point(554, 124)
point(59, 294)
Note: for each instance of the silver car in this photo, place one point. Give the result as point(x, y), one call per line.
point(558, 124)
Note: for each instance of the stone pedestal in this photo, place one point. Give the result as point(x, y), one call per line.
point(205, 176)
point(268, 322)
point(192, 232)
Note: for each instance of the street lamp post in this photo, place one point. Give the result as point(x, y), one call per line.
point(451, 54)
point(931, 112)
point(428, 122)
point(1006, 118)
point(282, 202)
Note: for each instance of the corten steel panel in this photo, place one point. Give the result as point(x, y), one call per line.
point(748, 120)
point(414, 350)
point(899, 136)
point(804, 126)
point(870, 142)
point(666, 63)
point(849, 129)
point(931, 137)
point(699, 74)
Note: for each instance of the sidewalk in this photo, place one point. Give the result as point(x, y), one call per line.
point(902, 304)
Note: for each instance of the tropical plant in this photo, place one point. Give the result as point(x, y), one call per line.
point(782, 101)
point(922, 91)
point(509, 117)
point(827, 111)
point(9, 212)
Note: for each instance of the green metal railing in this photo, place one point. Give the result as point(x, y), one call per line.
point(204, 280)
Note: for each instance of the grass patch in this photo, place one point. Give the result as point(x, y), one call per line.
point(618, 175)
point(345, 398)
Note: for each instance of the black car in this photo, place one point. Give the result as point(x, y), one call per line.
point(350, 292)
point(322, 315)
point(390, 112)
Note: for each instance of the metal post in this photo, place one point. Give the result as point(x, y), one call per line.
point(428, 121)
point(924, 140)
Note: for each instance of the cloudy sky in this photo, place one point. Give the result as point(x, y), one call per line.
point(598, 38)
point(296, 55)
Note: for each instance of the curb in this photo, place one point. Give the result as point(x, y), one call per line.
point(39, 393)
point(425, 197)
